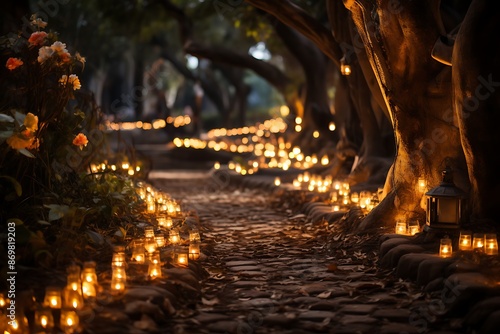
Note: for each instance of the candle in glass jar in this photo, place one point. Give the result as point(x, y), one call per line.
point(490, 244)
point(160, 241)
point(118, 279)
point(154, 257)
point(174, 237)
point(335, 208)
point(72, 299)
point(138, 251)
point(194, 236)
point(445, 248)
point(154, 270)
point(401, 228)
point(149, 232)
point(478, 242)
point(88, 273)
point(422, 184)
point(413, 227)
point(44, 321)
point(52, 297)
point(194, 251)
point(150, 245)
point(118, 257)
point(69, 321)
point(465, 241)
point(182, 259)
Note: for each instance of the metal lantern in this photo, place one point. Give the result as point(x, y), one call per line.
point(345, 67)
point(445, 204)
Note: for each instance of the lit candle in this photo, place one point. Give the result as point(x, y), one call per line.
point(118, 257)
point(422, 184)
point(154, 257)
point(3, 301)
point(324, 160)
point(73, 280)
point(355, 197)
point(277, 181)
point(52, 297)
point(150, 244)
point(182, 259)
point(138, 251)
point(194, 236)
point(72, 299)
point(465, 241)
point(491, 244)
point(69, 321)
point(478, 242)
point(413, 227)
point(216, 165)
point(400, 227)
point(174, 237)
point(88, 273)
point(149, 232)
point(88, 289)
point(445, 249)
point(118, 279)
point(151, 207)
point(335, 208)
point(154, 270)
point(160, 241)
point(44, 321)
point(194, 251)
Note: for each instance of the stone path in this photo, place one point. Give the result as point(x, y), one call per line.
point(270, 271)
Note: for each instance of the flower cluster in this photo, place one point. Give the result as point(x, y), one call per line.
point(24, 114)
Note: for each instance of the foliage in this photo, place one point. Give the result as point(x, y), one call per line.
point(49, 134)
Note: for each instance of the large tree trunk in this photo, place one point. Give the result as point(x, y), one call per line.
point(476, 78)
point(399, 41)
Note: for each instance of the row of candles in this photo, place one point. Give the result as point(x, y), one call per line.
point(82, 283)
point(486, 243)
point(123, 167)
point(178, 121)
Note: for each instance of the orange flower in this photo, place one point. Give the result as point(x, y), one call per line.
point(80, 140)
point(37, 38)
point(19, 141)
point(72, 80)
point(13, 63)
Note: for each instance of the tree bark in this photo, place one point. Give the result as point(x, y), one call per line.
point(417, 90)
point(476, 79)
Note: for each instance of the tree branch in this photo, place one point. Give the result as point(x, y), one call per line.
point(295, 17)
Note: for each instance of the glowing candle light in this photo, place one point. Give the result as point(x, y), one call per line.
point(401, 227)
point(325, 160)
point(331, 126)
point(216, 165)
point(72, 299)
point(151, 207)
point(296, 183)
point(422, 185)
point(335, 208)
point(181, 259)
point(465, 241)
point(160, 241)
point(149, 232)
point(194, 236)
point(88, 273)
point(3, 301)
point(154, 270)
point(490, 244)
point(44, 321)
point(445, 248)
point(174, 237)
point(277, 181)
point(118, 259)
point(413, 227)
point(52, 297)
point(355, 197)
point(69, 321)
point(194, 251)
point(478, 242)
point(118, 280)
point(89, 290)
point(138, 251)
point(150, 244)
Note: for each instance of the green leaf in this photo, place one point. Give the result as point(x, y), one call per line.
point(43, 222)
point(6, 134)
point(95, 237)
point(19, 117)
point(6, 118)
point(16, 185)
point(57, 211)
point(26, 153)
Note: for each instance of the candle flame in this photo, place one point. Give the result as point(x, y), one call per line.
point(44, 321)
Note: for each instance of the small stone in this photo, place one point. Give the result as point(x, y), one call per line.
point(240, 263)
point(393, 314)
point(398, 328)
point(357, 319)
point(316, 315)
point(210, 317)
point(283, 320)
point(245, 268)
point(224, 326)
point(358, 308)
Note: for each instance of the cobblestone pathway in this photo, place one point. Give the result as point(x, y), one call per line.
point(270, 271)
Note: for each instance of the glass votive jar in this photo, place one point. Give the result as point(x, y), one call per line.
point(138, 251)
point(52, 297)
point(445, 248)
point(465, 241)
point(194, 236)
point(44, 321)
point(194, 251)
point(181, 259)
point(160, 240)
point(150, 244)
point(401, 228)
point(413, 227)
point(154, 270)
point(69, 321)
point(72, 299)
point(149, 232)
point(119, 259)
point(174, 237)
point(478, 242)
point(490, 244)
point(88, 272)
